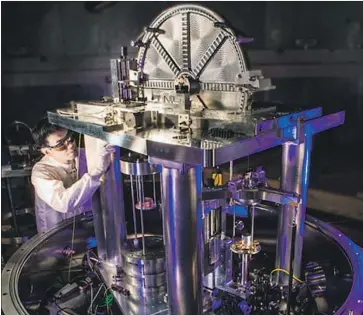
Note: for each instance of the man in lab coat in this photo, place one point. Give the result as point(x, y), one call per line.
point(63, 187)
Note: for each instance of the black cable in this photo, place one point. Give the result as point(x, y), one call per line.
point(61, 309)
point(291, 269)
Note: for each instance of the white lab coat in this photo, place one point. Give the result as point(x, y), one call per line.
point(58, 193)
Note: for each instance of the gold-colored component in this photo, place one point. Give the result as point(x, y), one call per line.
point(244, 246)
point(293, 204)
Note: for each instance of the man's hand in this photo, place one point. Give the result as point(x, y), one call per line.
point(101, 161)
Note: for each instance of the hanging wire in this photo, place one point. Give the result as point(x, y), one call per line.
point(74, 217)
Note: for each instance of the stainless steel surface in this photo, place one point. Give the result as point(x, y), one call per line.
point(108, 208)
point(251, 196)
point(37, 260)
point(295, 176)
point(182, 223)
point(137, 168)
point(133, 209)
point(192, 45)
point(164, 143)
point(145, 271)
point(212, 229)
point(141, 199)
point(244, 269)
point(150, 303)
point(185, 107)
point(152, 262)
point(112, 202)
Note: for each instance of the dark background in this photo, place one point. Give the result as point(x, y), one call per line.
point(54, 52)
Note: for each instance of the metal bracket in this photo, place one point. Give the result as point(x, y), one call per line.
point(254, 80)
point(182, 167)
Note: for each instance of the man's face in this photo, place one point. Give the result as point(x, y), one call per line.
point(61, 146)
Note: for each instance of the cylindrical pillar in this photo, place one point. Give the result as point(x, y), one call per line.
point(294, 178)
point(112, 202)
point(244, 269)
point(99, 225)
point(182, 223)
point(108, 206)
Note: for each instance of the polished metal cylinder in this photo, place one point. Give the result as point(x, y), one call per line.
point(244, 269)
point(108, 206)
point(112, 202)
point(182, 223)
point(99, 225)
point(294, 178)
point(137, 168)
point(145, 271)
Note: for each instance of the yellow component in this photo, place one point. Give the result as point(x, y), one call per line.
point(293, 204)
point(285, 271)
point(217, 179)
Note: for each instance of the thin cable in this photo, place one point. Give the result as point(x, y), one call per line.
point(133, 207)
point(74, 217)
point(286, 272)
point(154, 188)
point(98, 292)
point(234, 204)
point(142, 202)
point(252, 223)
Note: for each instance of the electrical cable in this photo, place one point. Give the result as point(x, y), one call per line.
point(98, 292)
point(74, 217)
point(286, 272)
point(61, 309)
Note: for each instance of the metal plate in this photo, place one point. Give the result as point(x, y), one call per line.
point(164, 143)
point(193, 45)
point(29, 260)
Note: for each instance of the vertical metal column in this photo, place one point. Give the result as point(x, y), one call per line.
point(108, 206)
point(98, 225)
point(112, 202)
point(294, 178)
point(182, 223)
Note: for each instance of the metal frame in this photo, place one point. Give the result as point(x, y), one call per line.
point(294, 131)
point(197, 155)
point(11, 303)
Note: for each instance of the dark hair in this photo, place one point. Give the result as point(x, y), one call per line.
point(42, 130)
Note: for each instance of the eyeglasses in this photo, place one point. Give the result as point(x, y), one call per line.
point(63, 143)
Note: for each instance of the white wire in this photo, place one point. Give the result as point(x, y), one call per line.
point(92, 301)
point(74, 217)
point(92, 293)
